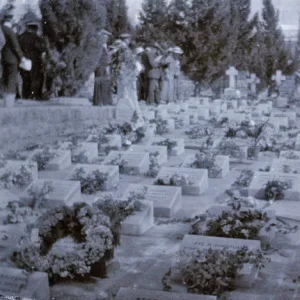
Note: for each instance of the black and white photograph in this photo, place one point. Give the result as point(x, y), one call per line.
point(150, 150)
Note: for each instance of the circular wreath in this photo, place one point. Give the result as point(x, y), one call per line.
point(90, 230)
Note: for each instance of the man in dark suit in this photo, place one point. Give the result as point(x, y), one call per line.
point(11, 56)
point(34, 48)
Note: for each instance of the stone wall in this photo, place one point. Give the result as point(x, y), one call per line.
point(26, 126)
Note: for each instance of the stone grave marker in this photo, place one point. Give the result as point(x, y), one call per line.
point(141, 294)
point(6, 196)
point(65, 192)
point(134, 162)
point(291, 115)
point(112, 172)
point(19, 283)
point(199, 143)
point(232, 73)
point(140, 222)
point(215, 109)
point(197, 177)
point(278, 77)
point(71, 101)
point(15, 166)
point(191, 244)
point(290, 154)
point(260, 178)
point(166, 200)
point(177, 150)
point(113, 141)
point(181, 120)
point(222, 162)
point(297, 145)
point(203, 112)
point(280, 121)
point(253, 81)
point(60, 162)
point(88, 149)
point(162, 151)
point(285, 166)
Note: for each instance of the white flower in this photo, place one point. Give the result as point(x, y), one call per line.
point(128, 143)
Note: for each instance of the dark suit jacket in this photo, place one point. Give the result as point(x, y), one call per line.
point(104, 62)
point(11, 52)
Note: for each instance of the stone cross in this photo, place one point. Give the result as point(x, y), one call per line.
point(253, 80)
point(232, 72)
point(278, 77)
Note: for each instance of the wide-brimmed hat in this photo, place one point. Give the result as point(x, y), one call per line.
point(104, 32)
point(177, 50)
point(139, 50)
point(125, 36)
point(32, 25)
point(170, 49)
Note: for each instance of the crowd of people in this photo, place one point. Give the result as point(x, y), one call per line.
point(148, 73)
point(153, 70)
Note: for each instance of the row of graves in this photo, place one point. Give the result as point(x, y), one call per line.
point(199, 202)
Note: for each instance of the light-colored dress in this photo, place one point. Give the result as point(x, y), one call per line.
point(167, 91)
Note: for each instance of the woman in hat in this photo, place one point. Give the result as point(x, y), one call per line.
point(177, 51)
point(11, 56)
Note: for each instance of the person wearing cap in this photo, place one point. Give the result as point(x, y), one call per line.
point(169, 70)
point(155, 74)
point(177, 52)
point(34, 48)
point(11, 56)
point(103, 84)
point(138, 51)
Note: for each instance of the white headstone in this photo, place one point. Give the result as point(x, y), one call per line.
point(161, 152)
point(232, 73)
point(253, 80)
point(278, 77)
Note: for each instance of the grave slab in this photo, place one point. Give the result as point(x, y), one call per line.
point(297, 145)
point(198, 178)
point(177, 150)
point(112, 172)
point(60, 162)
point(291, 115)
point(290, 154)
point(64, 192)
point(166, 200)
point(113, 141)
point(162, 151)
point(18, 283)
point(140, 222)
point(221, 161)
point(141, 294)
point(135, 162)
point(6, 196)
point(285, 166)
point(260, 178)
point(279, 121)
point(70, 101)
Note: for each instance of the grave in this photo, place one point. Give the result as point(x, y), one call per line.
point(112, 172)
point(166, 200)
point(177, 150)
point(193, 113)
point(290, 154)
point(203, 112)
point(280, 121)
point(113, 141)
point(140, 222)
point(261, 178)
point(282, 165)
point(64, 192)
point(280, 102)
point(88, 149)
point(278, 77)
point(191, 244)
point(141, 294)
point(198, 178)
point(253, 81)
point(60, 162)
point(19, 283)
point(291, 115)
point(199, 143)
point(6, 196)
point(162, 151)
point(134, 162)
point(221, 161)
point(71, 101)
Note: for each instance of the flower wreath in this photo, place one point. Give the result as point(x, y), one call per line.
point(90, 230)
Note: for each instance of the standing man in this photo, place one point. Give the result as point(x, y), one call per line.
point(102, 87)
point(34, 48)
point(11, 56)
point(177, 52)
point(144, 75)
point(154, 74)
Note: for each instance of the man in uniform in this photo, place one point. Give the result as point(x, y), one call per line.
point(34, 48)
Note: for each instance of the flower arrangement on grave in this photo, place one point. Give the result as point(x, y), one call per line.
point(244, 179)
point(290, 155)
point(234, 224)
point(231, 149)
point(179, 123)
point(206, 160)
point(170, 144)
point(119, 161)
point(90, 230)
point(161, 125)
point(214, 272)
point(274, 189)
point(20, 178)
point(17, 212)
point(92, 182)
point(154, 166)
point(175, 180)
point(43, 157)
point(198, 131)
point(38, 194)
point(73, 146)
point(118, 211)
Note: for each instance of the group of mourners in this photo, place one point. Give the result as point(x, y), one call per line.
point(150, 74)
point(17, 49)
